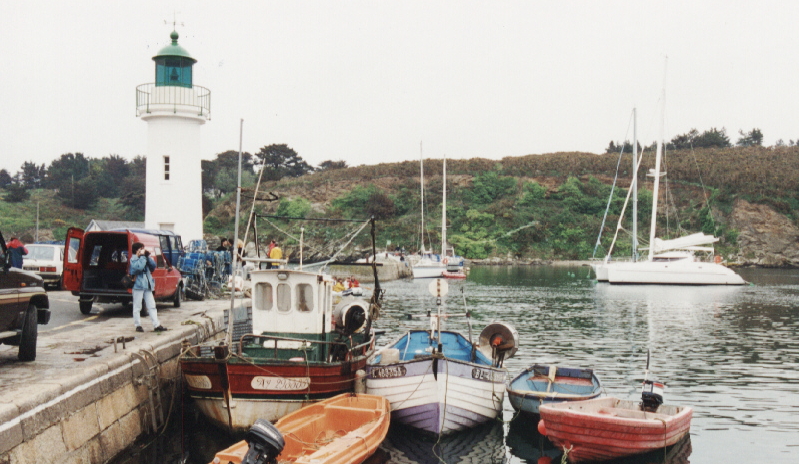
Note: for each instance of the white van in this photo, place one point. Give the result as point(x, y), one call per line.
point(47, 261)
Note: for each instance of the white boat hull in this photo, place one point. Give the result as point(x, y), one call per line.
point(460, 396)
point(601, 271)
point(428, 272)
point(672, 273)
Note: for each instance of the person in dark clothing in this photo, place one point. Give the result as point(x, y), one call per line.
point(224, 246)
point(16, 249)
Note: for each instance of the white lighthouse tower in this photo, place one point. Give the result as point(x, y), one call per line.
point(174, 109)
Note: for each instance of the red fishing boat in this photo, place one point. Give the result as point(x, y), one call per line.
point(299, 345)
point(610, 428)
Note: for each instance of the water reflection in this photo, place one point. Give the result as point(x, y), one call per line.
point(480, 445)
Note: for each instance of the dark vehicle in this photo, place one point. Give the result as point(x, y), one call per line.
point(96, 262)
point(23, 305)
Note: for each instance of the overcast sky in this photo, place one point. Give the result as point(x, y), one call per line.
point(366, 81)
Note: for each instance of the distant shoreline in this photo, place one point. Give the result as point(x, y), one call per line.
point(527, 262)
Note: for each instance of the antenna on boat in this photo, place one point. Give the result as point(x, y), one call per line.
point(302, 237)
point(438, 288)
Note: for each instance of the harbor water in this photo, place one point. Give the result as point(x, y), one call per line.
point(731, 353)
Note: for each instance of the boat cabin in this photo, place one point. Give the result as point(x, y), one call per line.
point(296, 315)
point(291, 302)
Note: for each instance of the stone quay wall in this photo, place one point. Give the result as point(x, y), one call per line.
point(89, 412)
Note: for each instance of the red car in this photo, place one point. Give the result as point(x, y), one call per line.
point(94, 271)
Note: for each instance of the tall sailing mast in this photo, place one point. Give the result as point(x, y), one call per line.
point(444, 213)
point(421, 183)
point(658, 156)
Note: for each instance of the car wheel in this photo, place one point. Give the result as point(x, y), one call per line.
point(30, 331)
point(85, 306)
point(178, 296)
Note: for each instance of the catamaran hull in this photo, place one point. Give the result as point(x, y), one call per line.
point(672, 273)
point(601, 272)
point(264, 390)
point(460, 395)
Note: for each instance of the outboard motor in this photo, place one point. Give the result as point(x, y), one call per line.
point(498, 341)
point(265, 442)
point(350, 316)
point(651, 395)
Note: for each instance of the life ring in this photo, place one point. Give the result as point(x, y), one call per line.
point(445, 260)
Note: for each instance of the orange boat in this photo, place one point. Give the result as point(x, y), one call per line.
point(344, 429)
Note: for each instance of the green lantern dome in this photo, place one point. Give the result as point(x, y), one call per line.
point(173, 65)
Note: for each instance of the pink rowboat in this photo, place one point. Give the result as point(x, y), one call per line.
point(610, 428)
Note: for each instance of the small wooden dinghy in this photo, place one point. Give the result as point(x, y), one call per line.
point(539, 385)
point(610, 428)
point(344, 429)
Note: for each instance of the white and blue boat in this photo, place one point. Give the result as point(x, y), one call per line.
point(539, 385)
point(440, 381)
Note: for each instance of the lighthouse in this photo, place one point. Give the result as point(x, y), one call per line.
point(174, 109)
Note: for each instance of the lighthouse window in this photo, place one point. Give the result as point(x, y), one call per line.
point(166, 168)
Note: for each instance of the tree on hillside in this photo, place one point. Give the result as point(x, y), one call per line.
point(329, 165)
point(133, 194)
point(707, 139)
point(753, 138)
point(32, 175)
point(108, 173)
point(226, 162)
point(138, 167)
point(66, 170)
point(627, 146)
point(282, 161)
point(5, 178)
point(16, 192)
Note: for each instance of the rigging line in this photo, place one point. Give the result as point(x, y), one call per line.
point(289, 235)
point(347, 244)
point(704, 190)
point(252, 210)
point(310, 219)
point(613, 187)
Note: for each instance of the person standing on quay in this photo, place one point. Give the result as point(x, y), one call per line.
point(142, 266)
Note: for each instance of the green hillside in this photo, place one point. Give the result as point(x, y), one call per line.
point(537, 206)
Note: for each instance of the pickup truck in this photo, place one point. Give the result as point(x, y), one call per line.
point(23, 306)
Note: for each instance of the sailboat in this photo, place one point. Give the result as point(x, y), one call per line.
point(672, 262)
point(601, 268)
point(431, 265)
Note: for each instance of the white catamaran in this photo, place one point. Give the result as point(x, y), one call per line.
point(672, 262)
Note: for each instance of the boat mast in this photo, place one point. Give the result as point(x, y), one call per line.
point(658, 156)
point(421, 182)
point(444, 213)
point(635, 184)
point(234, 249)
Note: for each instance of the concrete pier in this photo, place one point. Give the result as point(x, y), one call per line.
point(96, 384)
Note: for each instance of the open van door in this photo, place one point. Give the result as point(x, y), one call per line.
point(73, 268)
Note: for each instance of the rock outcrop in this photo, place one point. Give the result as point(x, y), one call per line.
point(765, 237)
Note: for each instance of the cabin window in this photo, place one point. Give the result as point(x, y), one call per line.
point(166, 168)
point(283, 298)
point(263, 296)
point(304, 298)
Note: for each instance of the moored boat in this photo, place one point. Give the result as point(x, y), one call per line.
point(539, 385)
point(344, 429)
point(299, 346)
point(610, 428)
point(439, 381)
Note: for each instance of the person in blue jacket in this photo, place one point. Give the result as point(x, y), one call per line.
point(141, 267)
point(16, 249)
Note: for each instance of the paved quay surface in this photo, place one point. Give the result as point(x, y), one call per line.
point(75, 352)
